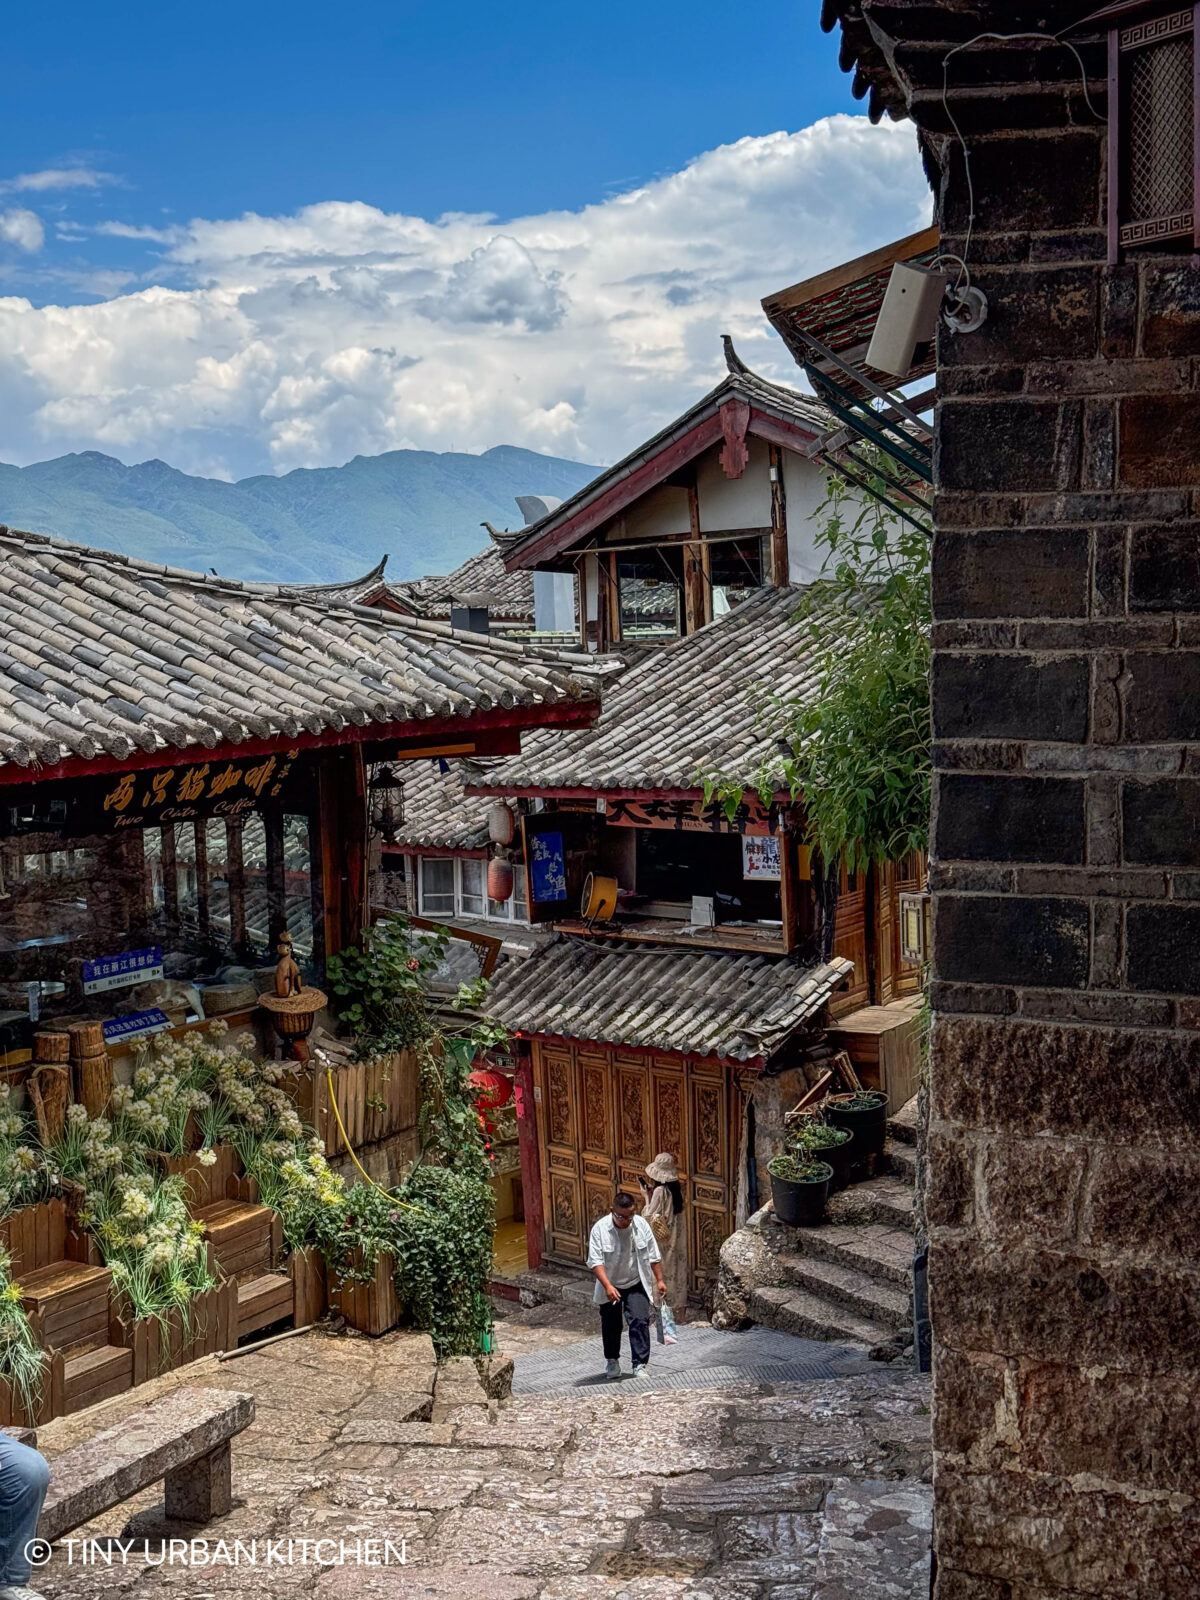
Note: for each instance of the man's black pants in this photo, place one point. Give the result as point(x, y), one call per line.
point(633, 1306)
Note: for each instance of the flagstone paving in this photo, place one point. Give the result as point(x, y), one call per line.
point(803, 1490)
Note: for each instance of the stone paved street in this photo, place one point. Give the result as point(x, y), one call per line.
point(749, 1491)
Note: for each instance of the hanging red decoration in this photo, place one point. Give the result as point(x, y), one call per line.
point(490, 1091)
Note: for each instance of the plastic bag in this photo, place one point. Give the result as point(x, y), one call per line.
point(667, 1322)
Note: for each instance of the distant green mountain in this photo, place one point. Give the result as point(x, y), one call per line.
point(421, 509)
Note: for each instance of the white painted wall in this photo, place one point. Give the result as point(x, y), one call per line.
point(728, 503)
point(805, 485)
point(554, 602)
point(661, 514)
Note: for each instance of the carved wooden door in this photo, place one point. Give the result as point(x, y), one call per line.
point(597, 1132)
point(711, 1202)
point(557, 1080)
point(632, 1075)
point(887, 948)
point(850, 941)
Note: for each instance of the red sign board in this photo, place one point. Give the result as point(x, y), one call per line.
point(690, 816)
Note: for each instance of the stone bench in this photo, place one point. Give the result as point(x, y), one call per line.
point(182, 1439)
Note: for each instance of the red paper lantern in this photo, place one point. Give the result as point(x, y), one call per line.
point(491, 1089)
point(499, 879)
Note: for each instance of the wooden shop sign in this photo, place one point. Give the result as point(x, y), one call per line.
point(212, 789)
point(690, 816)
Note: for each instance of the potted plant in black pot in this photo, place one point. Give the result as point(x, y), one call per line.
point(799, 1182)
point(834, 1145)
point(865, 1115)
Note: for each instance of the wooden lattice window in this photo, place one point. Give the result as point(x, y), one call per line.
point(1154, 127)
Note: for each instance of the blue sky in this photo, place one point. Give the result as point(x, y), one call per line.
point(247, 238)
point(415, 107)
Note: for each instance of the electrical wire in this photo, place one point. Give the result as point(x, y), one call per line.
point(1002, 38)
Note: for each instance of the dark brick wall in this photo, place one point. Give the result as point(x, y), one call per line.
point(1063, 1163)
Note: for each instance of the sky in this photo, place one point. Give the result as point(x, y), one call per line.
point(255, 238)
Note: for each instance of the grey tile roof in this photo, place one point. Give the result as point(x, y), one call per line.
point(509, 594)
point(370, 589)
point(437, 814)
point(789, 405)
point(695, 1002)
point(102, 655)
point(699, 704)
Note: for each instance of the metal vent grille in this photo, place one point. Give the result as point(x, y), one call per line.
point(1160, 134)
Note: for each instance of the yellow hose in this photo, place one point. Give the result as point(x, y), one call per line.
point(337, 1116)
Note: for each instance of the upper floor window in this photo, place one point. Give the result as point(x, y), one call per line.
point(735, 571)
point(650, 595)
point(452, 887)
point(1153, 131)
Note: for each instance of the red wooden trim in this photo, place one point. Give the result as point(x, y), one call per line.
point(735, 419)
point(800, 441)
point(548, 793)
point(416, 734)
point(1196, 127)
point(441, 851)
point(752, 1063)
point(1114, 148)
point(531, 1165)
point(651, 473)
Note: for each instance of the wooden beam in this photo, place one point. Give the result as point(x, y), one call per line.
point(841, 277)
point(695, 596)
point(779, 538)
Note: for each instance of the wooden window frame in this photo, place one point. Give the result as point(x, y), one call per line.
point(1133, 28)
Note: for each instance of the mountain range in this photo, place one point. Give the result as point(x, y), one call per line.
point(314, 525)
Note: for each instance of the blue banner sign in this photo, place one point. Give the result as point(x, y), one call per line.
point(135, 1024)
point(547, 868)
point(118, 972)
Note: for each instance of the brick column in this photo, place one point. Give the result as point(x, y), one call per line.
point(1064, 1173)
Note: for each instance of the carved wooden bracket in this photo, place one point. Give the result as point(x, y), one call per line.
point(735, 419)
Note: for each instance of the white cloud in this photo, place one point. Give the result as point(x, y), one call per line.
point(49, 178)
point(22, 228)
point(301, 340)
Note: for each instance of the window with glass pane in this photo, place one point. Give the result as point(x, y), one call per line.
point(155, 892)
point(520, 905)
point(437, 887)
point(217, 860)
point(648, 592)
point(187, 882)
point(254, 874)
point(500, 910)
point(735, 571)
point(471, 887)
point(297, 886)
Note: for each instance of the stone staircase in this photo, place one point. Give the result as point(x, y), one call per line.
point(849, 1280)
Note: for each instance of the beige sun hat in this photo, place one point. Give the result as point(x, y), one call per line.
point(663, 1169)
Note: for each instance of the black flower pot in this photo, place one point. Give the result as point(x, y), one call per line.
point(841, 1158)
point(868, 1124)
point(802, 1204)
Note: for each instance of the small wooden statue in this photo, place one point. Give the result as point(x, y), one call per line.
point(287, 974)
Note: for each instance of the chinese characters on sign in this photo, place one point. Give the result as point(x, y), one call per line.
point(547, 868)
point(135, 1025)
point(118, 972)
point(689, 816)
point(219, 789)
point(760, 858)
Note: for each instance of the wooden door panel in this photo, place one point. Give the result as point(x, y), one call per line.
point(633, 1110)
point(558, 1132)
point(595, 1079)
point(886, 946)
point(850, 942)
point(708, 1230)
point(668, 1116)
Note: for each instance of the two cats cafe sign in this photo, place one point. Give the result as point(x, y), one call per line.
point(177, 794)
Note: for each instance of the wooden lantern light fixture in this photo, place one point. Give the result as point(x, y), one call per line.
point(1153, 125)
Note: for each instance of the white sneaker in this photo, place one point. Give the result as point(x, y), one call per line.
point(638, 1368)
point(20, 1591)
point(612, 1369)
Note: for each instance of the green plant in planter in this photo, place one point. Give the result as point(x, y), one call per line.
point(799, 1167)
point(862, 1100)
point(22, 1363)
point(820, 1136)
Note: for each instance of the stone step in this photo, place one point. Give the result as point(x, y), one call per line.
point(879, 1252)
point(903, 1126)
point(868, 1297)
point(809, 1316)
point(887, 1200)
point(901, 1160)
point(874, 1540)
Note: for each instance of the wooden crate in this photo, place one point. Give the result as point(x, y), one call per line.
point(205, 1185)
point(38, 1236)
point(210, 1326)
point(371, 1305)
point(884, 1044)
point(310, 1290)
point(69, 1301)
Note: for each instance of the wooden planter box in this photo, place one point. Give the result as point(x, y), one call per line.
point(206, 1185)
point(310, 1289)
point(393, 1081)
point(211, 1326)
point(38, 1236)
point(369, 1306)
point(14, 1415)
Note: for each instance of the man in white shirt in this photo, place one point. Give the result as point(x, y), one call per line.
point(624, 1255)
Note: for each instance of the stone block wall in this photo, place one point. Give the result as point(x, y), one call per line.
point(1064, 1162)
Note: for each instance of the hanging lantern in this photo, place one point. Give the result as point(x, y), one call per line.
point(501, 824)
point(385, 800)
point(500, 878)
point(490, 1090)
